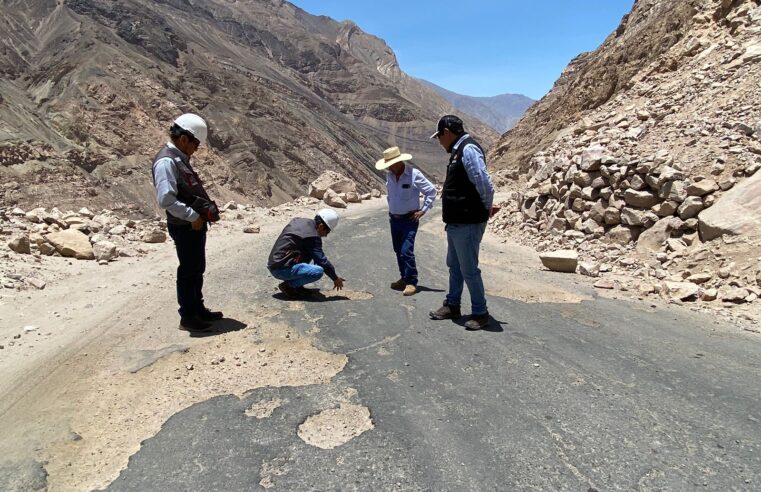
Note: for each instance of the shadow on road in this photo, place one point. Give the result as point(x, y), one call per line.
point(225, 325)
point(312, 297)
point(423, 288)
point(494, 326)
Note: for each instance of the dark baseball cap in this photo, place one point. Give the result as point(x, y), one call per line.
point(451, 123)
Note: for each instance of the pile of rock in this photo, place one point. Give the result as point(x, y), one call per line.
point(82, 235)
point(655, 186)
point(645, 217)
point(615, 197)
point(336, 190)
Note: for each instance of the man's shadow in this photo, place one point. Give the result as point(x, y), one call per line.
point(494, 326)
point(220, 327)
point(314, 295)
point(423, 288)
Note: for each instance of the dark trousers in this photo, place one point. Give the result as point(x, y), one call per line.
point(403, 232)
point(191, 251)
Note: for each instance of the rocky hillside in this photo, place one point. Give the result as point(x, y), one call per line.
point(500, 112)
point(89, 87)
point(644, 157)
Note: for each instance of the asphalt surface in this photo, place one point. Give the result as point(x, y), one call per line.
point(599, 395)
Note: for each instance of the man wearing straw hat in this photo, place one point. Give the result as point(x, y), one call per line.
point(405, 184)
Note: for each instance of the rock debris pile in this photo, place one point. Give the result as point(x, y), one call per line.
point(657, 189)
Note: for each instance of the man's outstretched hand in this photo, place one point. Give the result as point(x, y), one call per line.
point(418, 215)
point(338, 283)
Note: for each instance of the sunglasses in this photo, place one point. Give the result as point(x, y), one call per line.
point(192, 139)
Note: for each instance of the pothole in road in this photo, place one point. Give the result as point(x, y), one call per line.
point(264, 408)
point(342, 295)
point(336, 426)
point(539, 295)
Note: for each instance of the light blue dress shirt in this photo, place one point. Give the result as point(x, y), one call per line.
point(475, 167)
point(404, 193)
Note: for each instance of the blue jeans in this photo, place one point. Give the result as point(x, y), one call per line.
point(463, 244)
point(299, 274)
point(403, 232)
point(191, 251)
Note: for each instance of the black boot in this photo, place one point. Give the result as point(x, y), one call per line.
point(206, 315)
point(290, 292)
point(194, 324)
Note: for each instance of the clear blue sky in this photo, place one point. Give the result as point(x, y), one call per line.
point(483, 47)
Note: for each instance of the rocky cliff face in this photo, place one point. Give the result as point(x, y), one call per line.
point(89, 88)
point(644, 156)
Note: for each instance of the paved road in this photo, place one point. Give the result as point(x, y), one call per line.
point(600, 395)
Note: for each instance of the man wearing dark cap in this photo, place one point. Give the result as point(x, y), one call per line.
point(466, 199)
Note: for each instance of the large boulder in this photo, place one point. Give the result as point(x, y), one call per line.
point(332, 199)
point(561, 261)
point(331, 180)
point(652, 240)
point(353, 197)
point(683, 291)
point(72, 243)
point(640, 199)
point(154, 236)
point(105, 251)
point(690, 208)
point(736, 212)
point(702, 187)
point(622, 235)
point(20, 245)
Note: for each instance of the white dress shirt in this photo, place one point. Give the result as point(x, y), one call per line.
point(404, 193)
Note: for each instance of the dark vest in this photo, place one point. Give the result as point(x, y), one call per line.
point(460, 200)
point(189, 185)
point(289, 246)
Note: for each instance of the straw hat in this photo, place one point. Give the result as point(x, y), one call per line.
point(391, 156)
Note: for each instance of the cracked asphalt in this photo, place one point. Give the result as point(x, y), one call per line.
point(597, 395)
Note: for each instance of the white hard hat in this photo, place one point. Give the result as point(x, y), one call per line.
point(194, 124)
point(329, 216)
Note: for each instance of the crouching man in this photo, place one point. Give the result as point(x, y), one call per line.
point(297, 257)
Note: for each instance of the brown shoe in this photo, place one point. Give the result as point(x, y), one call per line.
point(398, 285)
point(410, 290)
point(446, 312)
point(477, 322)
point(290, 292)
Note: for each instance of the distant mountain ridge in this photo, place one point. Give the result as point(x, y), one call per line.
point(500, 112)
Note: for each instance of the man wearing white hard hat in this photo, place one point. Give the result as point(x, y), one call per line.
point(188, 207)
point(297, 257)
point(405, 184)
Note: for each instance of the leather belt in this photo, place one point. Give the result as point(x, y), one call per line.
point(402, 216)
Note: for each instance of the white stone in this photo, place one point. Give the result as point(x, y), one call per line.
point(72, 244)
point(105, 250)
point(331, 198)
point(560, 261)
point(154, 236)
